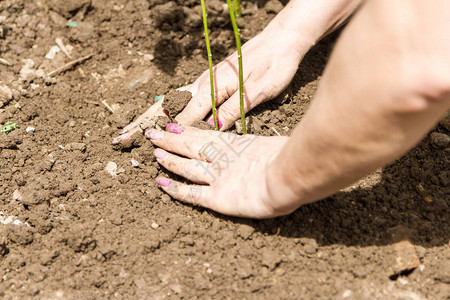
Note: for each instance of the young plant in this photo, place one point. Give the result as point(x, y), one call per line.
point(8, 127)
point(239, 52)
point(237, 8)
point(211, 74)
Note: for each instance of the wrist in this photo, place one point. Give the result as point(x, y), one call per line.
point(284, 190)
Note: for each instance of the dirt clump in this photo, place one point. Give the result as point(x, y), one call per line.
point(175, 101)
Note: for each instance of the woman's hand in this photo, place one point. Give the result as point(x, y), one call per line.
point(270, 61)
point(229, 171)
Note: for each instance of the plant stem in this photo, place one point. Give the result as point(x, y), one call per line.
point(237, 8)
point(241, 76)
point(211, 75)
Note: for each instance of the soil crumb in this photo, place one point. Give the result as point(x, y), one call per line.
point(176, 101)
point(202, 125)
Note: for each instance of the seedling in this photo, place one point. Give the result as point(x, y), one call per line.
point(237, 8)
point(211, 74)
point(239, 52)
point(8, 127)
point(234, 9)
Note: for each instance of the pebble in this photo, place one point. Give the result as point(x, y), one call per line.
point(111, 168)
point(5, 94)
point(154, 225)
point(134, 163)
point(16, 195)
point(310, 246)
point(403, 281)
point(149, 57)
point(75, 147)
point(245, 231)
point(347, 294)
point(30, 129)
point(439, 140)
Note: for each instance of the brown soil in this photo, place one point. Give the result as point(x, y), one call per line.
point(176, 101)
point(91, 222)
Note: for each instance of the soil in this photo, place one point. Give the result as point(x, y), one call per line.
point(175, 102)
point(82, 220)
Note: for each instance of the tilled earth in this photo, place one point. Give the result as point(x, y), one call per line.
point(82, 220)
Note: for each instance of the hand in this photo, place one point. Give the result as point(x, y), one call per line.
point(270, 62)
point(229, 171)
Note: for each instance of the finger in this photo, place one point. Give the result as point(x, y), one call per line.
point(230, 110)
point(183, 140)
point(226, 83)
point(192, 169)
point(193, 194)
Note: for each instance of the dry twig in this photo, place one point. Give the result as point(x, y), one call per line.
point(69, 65)
point(5, 62)
point(107, 106)
point(63, 48)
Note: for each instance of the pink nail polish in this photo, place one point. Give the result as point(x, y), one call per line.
point(161, 154)
point(211, 122)
point(154, 134)
point(165, 182)
point(175, 128)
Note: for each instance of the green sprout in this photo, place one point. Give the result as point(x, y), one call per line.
point(8, 127)
point(239, 52)
point(237, 8)
point(211, 75)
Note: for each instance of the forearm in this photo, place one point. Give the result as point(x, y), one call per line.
point(310, 20)
point(369, 109)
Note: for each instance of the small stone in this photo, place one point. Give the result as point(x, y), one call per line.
point(6, 95)
point(310, 246)
point(154, 225)
point(149, 57)
point(439, 140)
point(403, 281)
point(75, 147)
point(134, 163)
point(347, 294)
point(30, 129)
point(245, 231)
point(401, 257)
point(111, 168)
point(16, 195)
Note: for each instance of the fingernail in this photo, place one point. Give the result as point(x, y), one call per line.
point(154, 134)
point(158, 97)
point(211, 122)
point(175, 128)
point(161, 154)
point(116, 140)
point(165, 182)
point(123, 131)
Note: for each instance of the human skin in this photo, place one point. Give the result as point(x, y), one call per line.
point(270, 62)
point(386, 84)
